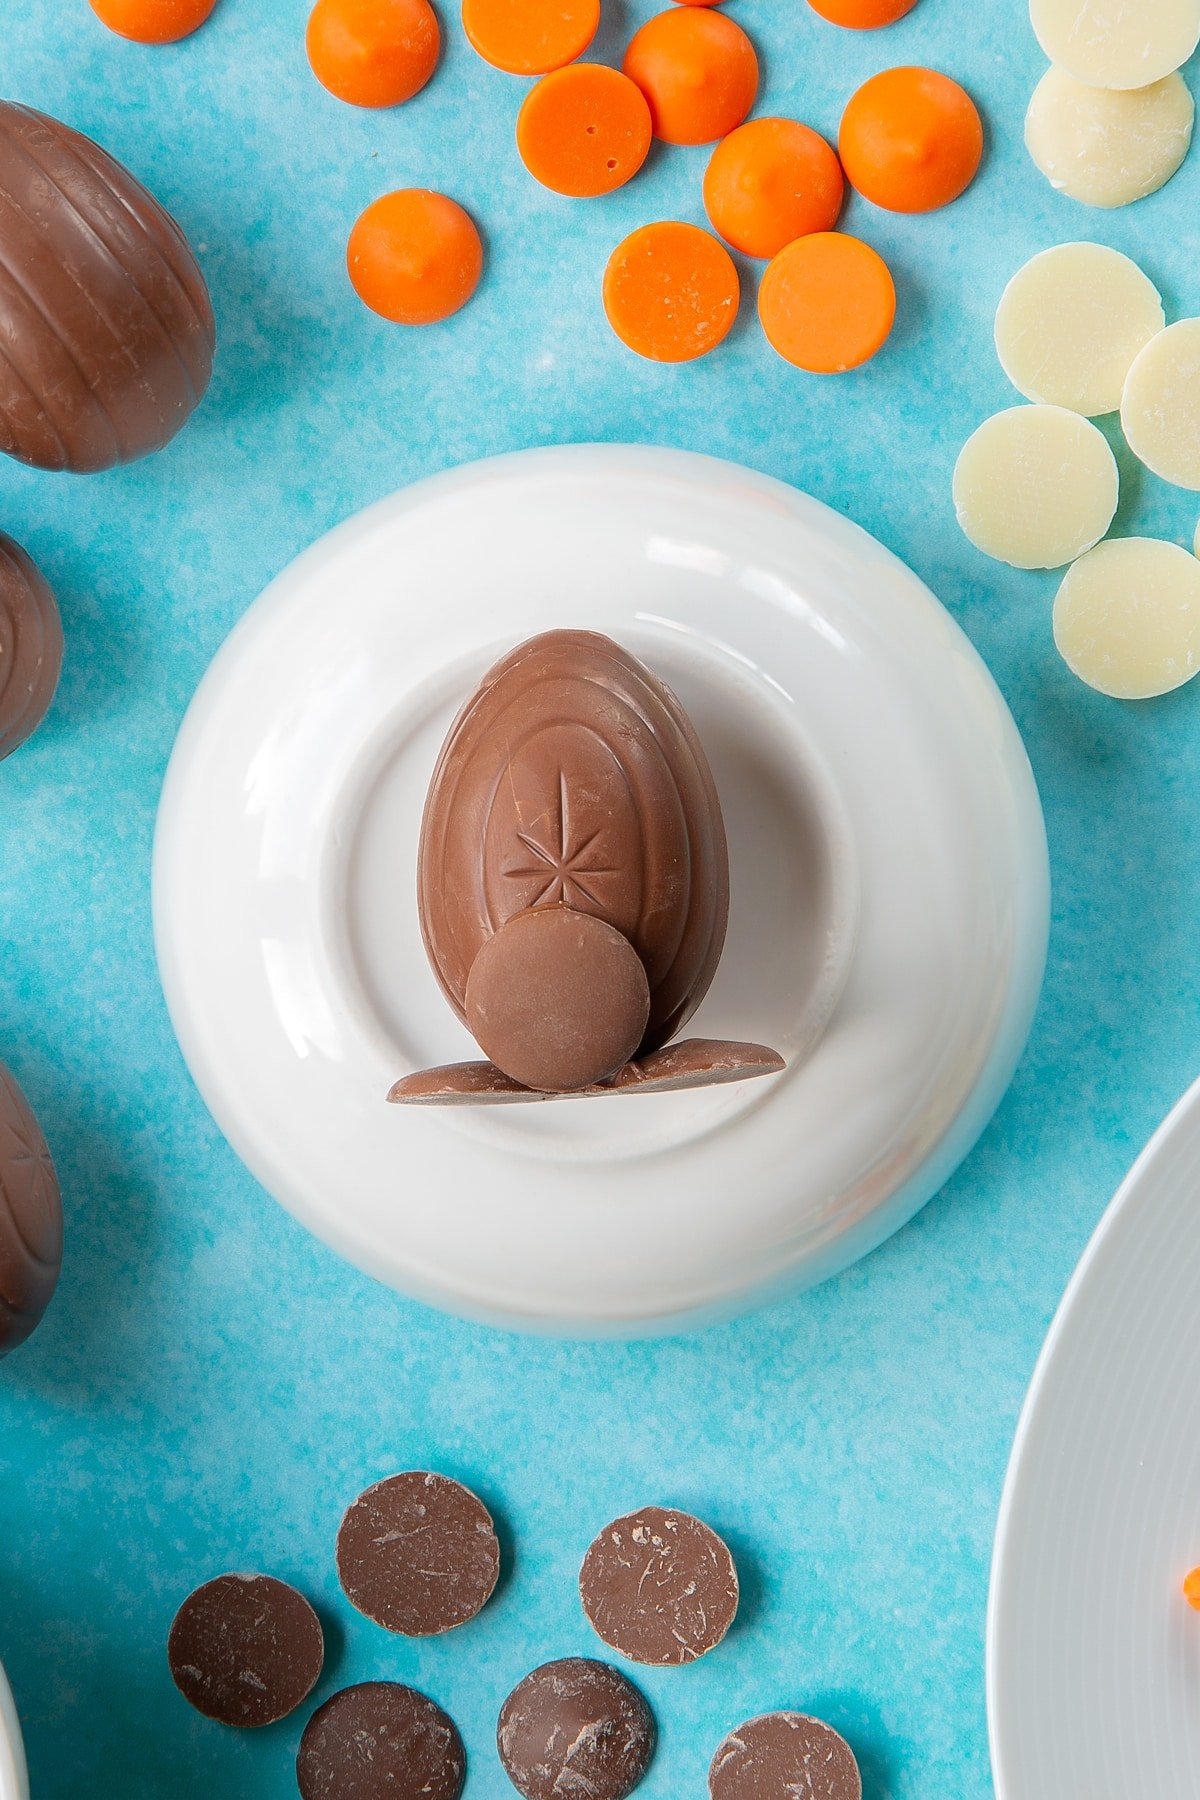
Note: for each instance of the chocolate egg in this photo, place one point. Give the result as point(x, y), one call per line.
point(30, 1218)
point(573, 778)
point(106, 328)
point(31, 646)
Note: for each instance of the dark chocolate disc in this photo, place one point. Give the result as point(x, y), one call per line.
point(380, 1741)
point(575, 1727)
point(781, 1755)
point(246, 1649)
point(574, 778)
point(31, 646)
point(30, 1218)
point(106, 329)
point(418, 1554)
point(557, 999)
point(660, 1587)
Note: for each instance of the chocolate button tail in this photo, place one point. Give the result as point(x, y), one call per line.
point(694, 1063)
point(781, 1754)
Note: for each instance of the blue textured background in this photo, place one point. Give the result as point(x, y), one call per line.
point(211, 1386)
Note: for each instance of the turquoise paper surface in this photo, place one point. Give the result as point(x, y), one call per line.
point(212, 1386)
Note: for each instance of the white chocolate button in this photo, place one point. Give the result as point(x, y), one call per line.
point(1160, 409)
point(1035, 487)
point(1127, 618)
point(1108, 148)
point(1117, 43)
point(1070, 324)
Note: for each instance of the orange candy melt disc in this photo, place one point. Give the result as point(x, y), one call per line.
point(770, 181)
point(911, 140)
point(1191, 1589)
point(584, 130)
point(530, 37)
point(414, 257)
point(862, 15)
point(697, 69)
point(152, 21)
point(827, 303)
point(671, 291)
point(373, 52)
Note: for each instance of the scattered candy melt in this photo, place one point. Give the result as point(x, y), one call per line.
point(911, 140)
point(530, 37)
point(1160, 409)
point(671, 291)
point(373, 53)
point(1104, 147)
point(1191, 1589)
point(1070, 324)
point(862, 15)
point(584, 130)
point(414, 257)
point(1117, 43)
point(769, 182)
point(1127, 618)
point(1036, 486)
point(698, 71)
point(153, 21)
point(827, 303)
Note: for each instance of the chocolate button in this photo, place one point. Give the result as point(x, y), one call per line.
point(380, 1741)
point(31, 1222)
point(557, 999)
point(245, 1649)
point(782, 1755)
point(660, 1587)
point(31, 646)
point(418, 1554)
point(575, 1728)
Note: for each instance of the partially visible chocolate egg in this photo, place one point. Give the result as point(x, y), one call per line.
point(31, 646)
point(106, 327)
point(30, 1218)
point(573, 778)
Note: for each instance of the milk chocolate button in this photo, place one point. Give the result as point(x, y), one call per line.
point(575, 1728)
point(660, 1587)
point(380, 1741)
point(558, 999)
point(782, 1755)
point(246, 1649)
point(418, 1554)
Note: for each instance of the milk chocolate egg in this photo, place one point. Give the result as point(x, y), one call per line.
point(31, 646)
point(106, 328)
point(30, 1218)
point(573, 778)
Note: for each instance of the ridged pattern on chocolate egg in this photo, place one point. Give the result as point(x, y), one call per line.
point(31, 646)
point(574, 777)
point(30, 1218)
point(106, 327)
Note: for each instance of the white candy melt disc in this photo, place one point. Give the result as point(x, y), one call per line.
point(1117, 43)
point(1036, 486)
point(1105, 147)
point(1127, 618)
point(1070, 324)
point(1160, 409)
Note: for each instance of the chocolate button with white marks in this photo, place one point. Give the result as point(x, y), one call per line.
point(380, 1741)
point(418, 1554)
point(245, 1649)
point(660, 1587)
point(783, 1756)
point(575, 1728)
